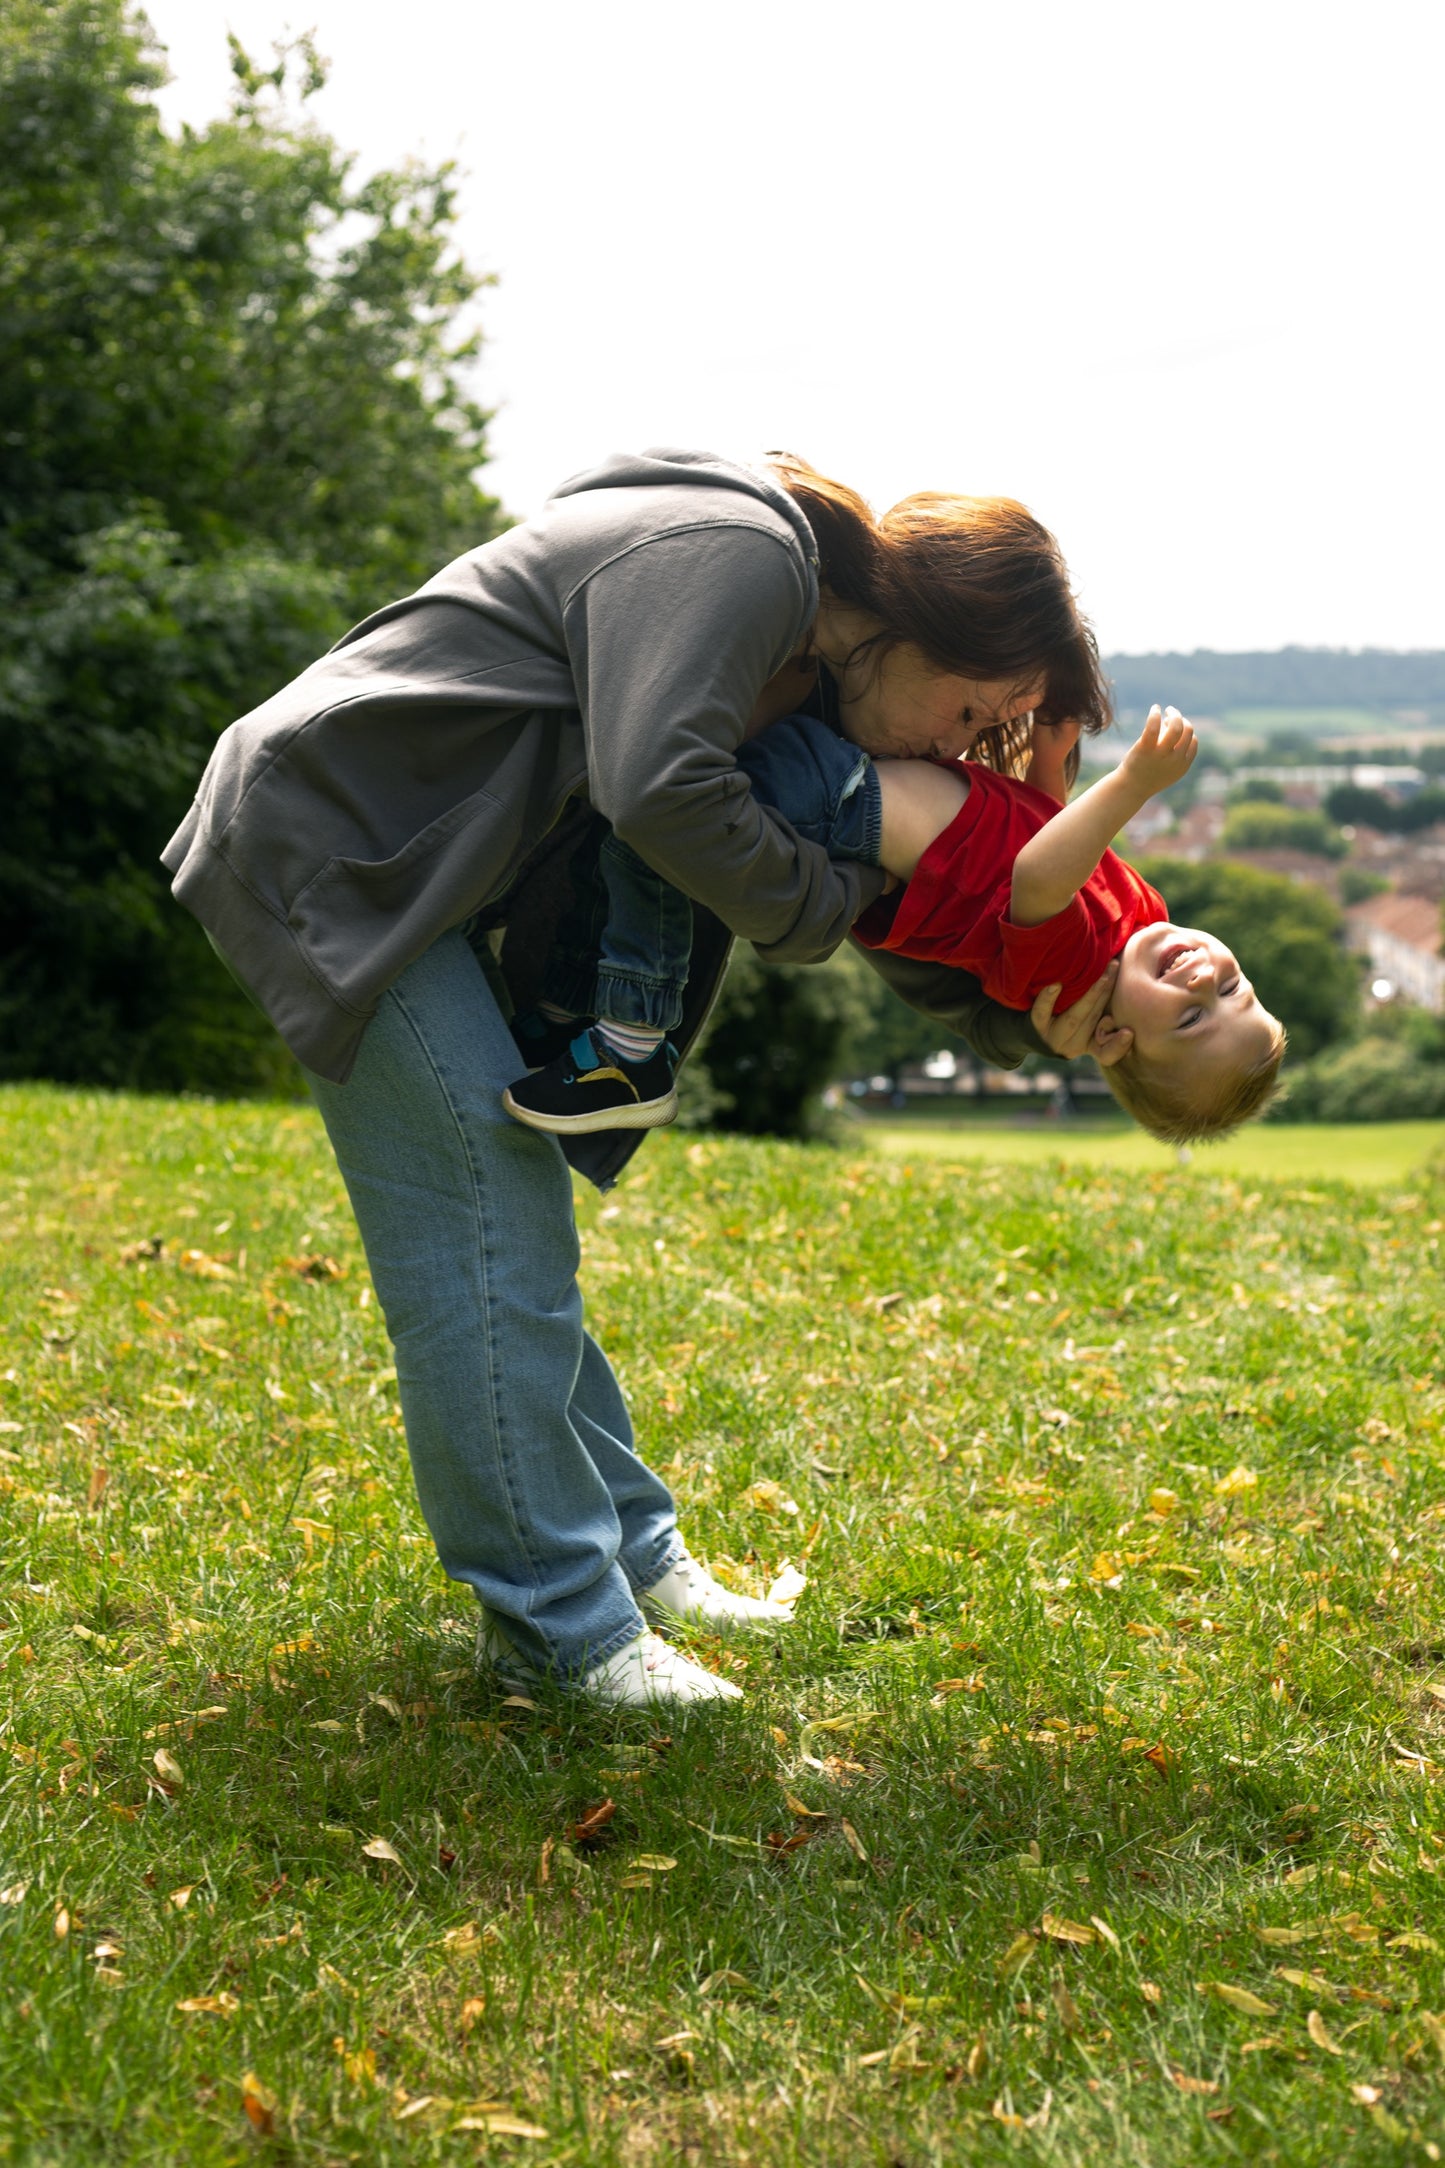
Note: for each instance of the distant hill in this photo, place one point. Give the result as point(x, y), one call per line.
point(1286, 677)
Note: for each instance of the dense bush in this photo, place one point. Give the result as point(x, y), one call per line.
point(234, 423)
point(779, 1034)
point(1286, 934)
point(1375, 1080)
point(1259, 826)
point(1352, 803)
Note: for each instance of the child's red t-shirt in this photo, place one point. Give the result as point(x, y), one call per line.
point(955, 908)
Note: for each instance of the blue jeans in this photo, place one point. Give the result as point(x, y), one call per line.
point(520, 1440)
point(623, 949)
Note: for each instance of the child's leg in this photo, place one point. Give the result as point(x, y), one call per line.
point(645, 952)
point(618, 1072)
point(824, 787)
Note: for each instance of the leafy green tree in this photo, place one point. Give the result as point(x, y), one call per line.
point(232, 383)
point(1257, 790)
point(1288, 936)
point(779, 1034)
point(1261, 827)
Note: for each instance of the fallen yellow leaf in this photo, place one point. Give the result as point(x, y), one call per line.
point(1236, 1998)
point(222, 2005)
point(378, 1848)
point(1319, 2032)
point(1236, 1483)
point(1062, 1930)
point(1017, 1955)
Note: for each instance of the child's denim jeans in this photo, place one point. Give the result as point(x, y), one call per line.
point(622, 949)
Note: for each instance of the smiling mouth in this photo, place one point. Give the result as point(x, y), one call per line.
point(1174, 954)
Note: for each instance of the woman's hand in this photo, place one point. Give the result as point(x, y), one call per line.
point(1073, 1033)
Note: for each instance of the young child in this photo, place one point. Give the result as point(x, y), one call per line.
point(1003, 879)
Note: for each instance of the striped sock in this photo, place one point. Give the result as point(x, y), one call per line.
point(554, 1015)
point(630, 1042)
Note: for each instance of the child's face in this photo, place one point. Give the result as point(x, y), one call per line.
point(1188, 1004)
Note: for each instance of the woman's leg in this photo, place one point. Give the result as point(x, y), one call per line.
point(519, 1437)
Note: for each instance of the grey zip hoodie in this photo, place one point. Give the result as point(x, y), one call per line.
point(612, 647)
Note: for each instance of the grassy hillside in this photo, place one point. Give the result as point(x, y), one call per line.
point(1091, 1812)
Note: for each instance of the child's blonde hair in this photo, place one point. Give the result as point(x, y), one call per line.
point(1168, 1108)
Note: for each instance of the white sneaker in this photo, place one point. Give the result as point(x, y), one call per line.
point(643, 1672)
point(496, 1653)
point(688, 1591)
point(649, 1670)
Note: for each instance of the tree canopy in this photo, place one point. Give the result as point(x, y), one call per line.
point(233, 381)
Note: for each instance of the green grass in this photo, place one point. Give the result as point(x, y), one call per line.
point(1206, 1730)
point(1363, 1152)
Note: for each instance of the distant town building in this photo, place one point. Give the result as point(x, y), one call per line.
point(1401, 937)
point(1395, 782)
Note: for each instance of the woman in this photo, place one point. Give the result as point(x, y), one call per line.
point(380, 851)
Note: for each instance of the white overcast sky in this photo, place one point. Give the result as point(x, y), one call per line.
point(1171, 274)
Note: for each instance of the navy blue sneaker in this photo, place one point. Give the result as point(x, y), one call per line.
point(589, 1088)
point(541, 1038)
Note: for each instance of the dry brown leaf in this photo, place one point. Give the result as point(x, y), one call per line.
point(1413, 1942)
point(168, 1768)
point(222, 2005)
point(259, 2103)
point(473, 2008)
point(1067, 2008)
point(184, 1726)
point(1104, 1932)
point(62, 1924)
point(804, 1814)
point(501, 2126)
point(1319, 2032)
point(1284, 1938)
point(181, 1897)
point(766, 1496)
point(1186, 2084)
point(378, 1848)
point(459, 1940)
point(14, 1894)
point(593, 1821)
point(1151, 1992)
point(1265, 2041)
point(1058, 1929)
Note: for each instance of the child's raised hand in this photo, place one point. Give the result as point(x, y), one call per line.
point(1162, 753)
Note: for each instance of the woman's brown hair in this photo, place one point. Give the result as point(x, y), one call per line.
point(976, 583)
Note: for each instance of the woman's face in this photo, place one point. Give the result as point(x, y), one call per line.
point(899, 707)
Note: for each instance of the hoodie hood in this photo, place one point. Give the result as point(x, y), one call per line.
point(665, 467)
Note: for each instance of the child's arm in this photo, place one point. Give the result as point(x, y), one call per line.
point(1053, 865)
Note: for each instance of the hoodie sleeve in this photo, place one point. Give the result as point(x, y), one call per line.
point(670, 644)
point(999, 1036)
